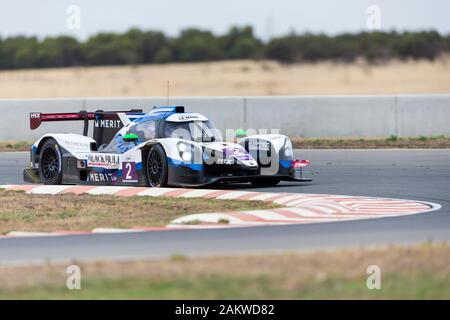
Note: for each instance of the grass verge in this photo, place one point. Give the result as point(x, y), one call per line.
point(417, 272)
point(28, 212)
point(392, 142)
point(8, 146)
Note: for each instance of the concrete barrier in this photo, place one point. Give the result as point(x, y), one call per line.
point(307, 116)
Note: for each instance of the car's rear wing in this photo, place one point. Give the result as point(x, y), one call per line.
point(102, 130)
point(36, 118)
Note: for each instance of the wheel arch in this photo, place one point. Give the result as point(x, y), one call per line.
point(46, 143)
point(69, 141)
point(145, 154)
point(146, 148)
point(41, 144)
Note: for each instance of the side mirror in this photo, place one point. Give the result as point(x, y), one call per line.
point(204, 139)
point(209, 139)
point(241, 133)
point(130, 137)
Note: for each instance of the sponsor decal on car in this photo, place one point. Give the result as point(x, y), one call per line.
point(76, 144)
point(185, 117)
point(224, 161)
point(258, 145)
point(102, 177)
point(239, 153)
point(103, 160)
point(188, 117)
point(113, 124)
point(235, 150)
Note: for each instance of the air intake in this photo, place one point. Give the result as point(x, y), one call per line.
point(177, 109)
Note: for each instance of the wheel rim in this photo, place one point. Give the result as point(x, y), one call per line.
point(154, 168)
point(50, 164)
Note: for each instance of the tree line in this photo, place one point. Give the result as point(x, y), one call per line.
point(193, 45)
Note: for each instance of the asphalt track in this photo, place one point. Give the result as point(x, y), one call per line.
point(409, 174)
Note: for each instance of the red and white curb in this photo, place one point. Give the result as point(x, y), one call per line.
point(296, 208)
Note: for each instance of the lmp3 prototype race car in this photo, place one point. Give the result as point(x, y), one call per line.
point(166, 146)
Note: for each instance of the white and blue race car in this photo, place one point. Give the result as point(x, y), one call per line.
point(166, 146)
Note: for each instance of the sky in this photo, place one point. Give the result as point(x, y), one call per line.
point(269, 18)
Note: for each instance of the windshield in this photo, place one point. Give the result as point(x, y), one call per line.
point(145, 130)
point(193, 130)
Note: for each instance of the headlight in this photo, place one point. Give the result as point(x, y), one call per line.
point(186, 151)
point(182, 147)
point(288, 153)
point(186, 156)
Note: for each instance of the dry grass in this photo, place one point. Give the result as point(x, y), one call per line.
point(418, 272)
point(230, 78)
point(393, 142)
point(7, 146)
point(28, 212)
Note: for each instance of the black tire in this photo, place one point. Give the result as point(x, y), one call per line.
point(50, 163)
point(265, 182)
point(156, 167)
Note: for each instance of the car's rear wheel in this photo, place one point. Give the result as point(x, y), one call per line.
point(265, 182)
point(50, 163)
point(156, 167)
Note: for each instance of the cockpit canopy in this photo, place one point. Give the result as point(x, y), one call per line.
point(199, 131)
point(166, 122)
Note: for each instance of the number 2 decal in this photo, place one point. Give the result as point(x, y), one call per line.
point(128, 169)
point(129, 172)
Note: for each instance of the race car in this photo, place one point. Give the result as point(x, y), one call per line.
point(164, 147)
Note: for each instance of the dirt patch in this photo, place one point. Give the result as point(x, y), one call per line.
point(229, 78)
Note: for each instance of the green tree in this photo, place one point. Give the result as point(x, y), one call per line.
point(282, 49)
point(197, 45)
point(417, 45)
point(59, 52)
point(240, 43)
point(110, 49)
point(147, 44)
point(164, 55)
point(137, 46)
point(19, 52)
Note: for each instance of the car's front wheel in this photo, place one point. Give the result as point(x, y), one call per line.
point(50, 163)
point(156, 167)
